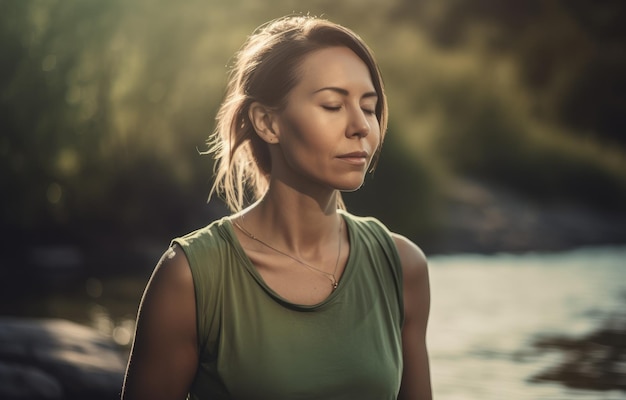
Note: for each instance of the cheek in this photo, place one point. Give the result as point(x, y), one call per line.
point(375, 137)
point(300, 130)
point(295, 142)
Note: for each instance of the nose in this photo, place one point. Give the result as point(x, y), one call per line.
point(359, 124)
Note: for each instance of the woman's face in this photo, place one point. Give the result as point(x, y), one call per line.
point(328, 130)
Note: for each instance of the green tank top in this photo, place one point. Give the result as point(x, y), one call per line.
point(253, 344)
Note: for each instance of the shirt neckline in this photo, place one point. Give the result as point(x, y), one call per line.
point(343, 282)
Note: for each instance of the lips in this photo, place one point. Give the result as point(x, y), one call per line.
point(355, 154)
point(356, 157)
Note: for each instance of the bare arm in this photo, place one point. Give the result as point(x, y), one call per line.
point(164, 356)
point(416, 375)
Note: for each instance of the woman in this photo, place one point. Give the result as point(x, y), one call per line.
point(292, 297)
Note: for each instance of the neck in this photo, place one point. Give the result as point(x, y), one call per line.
point(298, 222)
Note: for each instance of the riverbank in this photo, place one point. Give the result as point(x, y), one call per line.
point(480, 218)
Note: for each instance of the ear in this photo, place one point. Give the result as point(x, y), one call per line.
point(263, 121)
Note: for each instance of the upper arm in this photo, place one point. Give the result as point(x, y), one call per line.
point(416, 297)
point(164, 356)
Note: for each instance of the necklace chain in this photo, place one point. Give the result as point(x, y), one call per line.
point(329, 276)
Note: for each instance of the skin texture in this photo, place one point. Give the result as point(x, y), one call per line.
point(331, 113)
point(328, 115)
point(164, 354)
point(416, 375)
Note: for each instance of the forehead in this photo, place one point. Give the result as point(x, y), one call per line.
point(336, 67)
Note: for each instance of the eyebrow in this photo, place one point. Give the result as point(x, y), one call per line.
point(344, 92)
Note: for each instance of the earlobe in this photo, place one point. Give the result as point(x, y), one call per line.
point(262, 119)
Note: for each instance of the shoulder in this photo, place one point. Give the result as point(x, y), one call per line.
point(163, 358)
point(412, 258)
point(416, 296)
point(207, 243)
point(366, 225)
point(171, 283)
point(173, 267)
point(415, 282)
point(210, 233)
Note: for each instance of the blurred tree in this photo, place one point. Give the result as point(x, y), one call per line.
point(105, 105)
point(75, 151)
point(50, 133)
point(571, 54)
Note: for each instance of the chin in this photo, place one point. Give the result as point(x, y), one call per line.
point(350, 186)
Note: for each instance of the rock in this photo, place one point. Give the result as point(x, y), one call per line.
point(57, 359)
point(25, 382)
point(596, 361)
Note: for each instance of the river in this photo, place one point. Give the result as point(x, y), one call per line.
point(487, 311)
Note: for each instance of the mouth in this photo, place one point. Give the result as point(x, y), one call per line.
point(356, 157)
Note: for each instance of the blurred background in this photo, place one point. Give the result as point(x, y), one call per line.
point(505, 161)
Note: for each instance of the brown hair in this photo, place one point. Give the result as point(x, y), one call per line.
point(265, 70)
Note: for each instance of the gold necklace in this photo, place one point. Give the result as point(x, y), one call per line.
point(329, 276)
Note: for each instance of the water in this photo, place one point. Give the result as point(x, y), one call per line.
point(487, 311)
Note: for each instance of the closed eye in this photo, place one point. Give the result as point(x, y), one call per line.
point(332, 108)
point(368, 111)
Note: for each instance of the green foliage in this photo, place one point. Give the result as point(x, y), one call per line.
point(105, 104)
point(569, 53)
point(495, 143)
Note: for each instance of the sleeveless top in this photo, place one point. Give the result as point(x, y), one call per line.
point(254, 344)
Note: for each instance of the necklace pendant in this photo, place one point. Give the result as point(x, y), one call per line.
point(331, 277)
